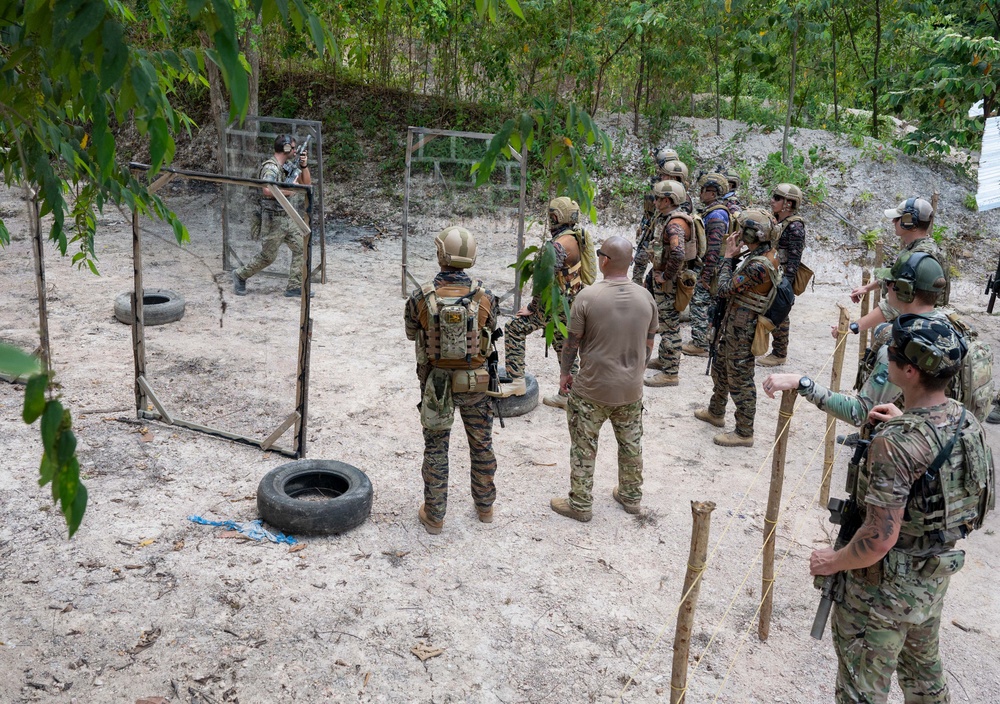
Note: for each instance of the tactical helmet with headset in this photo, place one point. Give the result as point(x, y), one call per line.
point(665, 154)
point(915, 271)
point(284, 143)
point(675, 169)
point(734, 179)
point(911, 212)
point(756, 225)
point(671, 190)
point(931, 345)
point(789, 191)
point(564, 211)
point(456, 247)
point(715, 181)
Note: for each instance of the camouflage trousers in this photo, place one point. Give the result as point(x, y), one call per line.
point(277, 229)
point(477, 417)
point(670, 332)
point(516, 332)
point(639, 265)
point(702, 311)
point(779, 339)
point(892, 627)
point(585, 419)
point(733, 369)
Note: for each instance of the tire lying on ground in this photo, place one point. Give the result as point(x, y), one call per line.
point(513, 406)
point(159, 306)
point(315, 497)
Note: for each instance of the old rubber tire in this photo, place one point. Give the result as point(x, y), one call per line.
point(314, 497)
point(513, 406)
point(159, 306)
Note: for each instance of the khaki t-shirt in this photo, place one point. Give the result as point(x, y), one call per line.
point(612, 320)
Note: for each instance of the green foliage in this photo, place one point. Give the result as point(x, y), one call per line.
point(938, 233)
point(865, 197)
point(970, 202)
point(288, 104)
point(870, 238)
point(59, 466)
point(774, 171)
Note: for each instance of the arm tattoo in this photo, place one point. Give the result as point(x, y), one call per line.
point(570, 347)
point(876, 536)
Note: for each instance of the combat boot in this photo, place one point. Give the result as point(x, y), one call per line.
point(631, 507)
point(562, 507)
point(517, 387)
point(558, 400)
point(994, 416)
point(430, 525)
point(692, 350)
point(239, 285)
point(655, 363)
point(297, 293)
point(710, 418)
point(661, 379)
point(771, 360)
point(733, 440)
point(485, 515)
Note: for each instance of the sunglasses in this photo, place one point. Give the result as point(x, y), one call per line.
point(602, 254)
point(776, 197)
point(895, 356)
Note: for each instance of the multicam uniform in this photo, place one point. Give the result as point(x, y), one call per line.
point(643, 252)
point(928, 246)
point(668, 259)
point(891, 611)
point(717, 218)
point(748, 291)
point(476, 409)
point(276, 229)
point(790, 246)
point(518, 329)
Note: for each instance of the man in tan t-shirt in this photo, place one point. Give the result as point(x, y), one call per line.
point(612, 326)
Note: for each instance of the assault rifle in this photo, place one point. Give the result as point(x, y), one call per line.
point(993, 288)
point(721, 305)
point(646, 228)
point(291, 166)
point(493, 368)
point(846, 514)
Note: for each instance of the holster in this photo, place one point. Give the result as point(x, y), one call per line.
point(470, 380)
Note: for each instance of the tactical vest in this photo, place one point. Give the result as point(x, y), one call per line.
point(782, 252)
point(717, 205)
point(572, 279)
point(759, 298)
point(690, 239)
point(453, 319)
point(947, 507)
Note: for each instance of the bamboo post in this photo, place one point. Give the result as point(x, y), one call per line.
point(879, 261)
point(773, 509)
point(701, 512)
point(38, 254)
point(831, 421)
point(866, 277)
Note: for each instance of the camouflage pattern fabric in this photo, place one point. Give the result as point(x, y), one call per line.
point(779, 338)
point(791, 243)
point(926, 245)
point(702, 308)
point(277, 229)
point(876, 390)
point(733, 366)
point(515, 334)
point(670, 331)
point(640, 263)
point(477, 417)
point(585, 419)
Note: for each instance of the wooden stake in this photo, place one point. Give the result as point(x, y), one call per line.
point(866, 277)
point(773, 509)
point(879, 261)
point(38, 252)
point(831, 421)
point(701, 512)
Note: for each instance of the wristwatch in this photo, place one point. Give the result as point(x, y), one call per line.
point(805, 384)
point(854, 328)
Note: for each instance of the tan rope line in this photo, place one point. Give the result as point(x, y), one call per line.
point(725, 531)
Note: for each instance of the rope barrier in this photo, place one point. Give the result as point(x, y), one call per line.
point(718, 543)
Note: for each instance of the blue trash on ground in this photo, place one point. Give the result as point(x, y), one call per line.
point(251, 529)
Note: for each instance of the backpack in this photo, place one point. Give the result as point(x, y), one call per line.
point(588, 256)
point(973, 385)
point(456, 335)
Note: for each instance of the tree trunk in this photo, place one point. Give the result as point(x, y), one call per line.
point(791, 94)
point(216, 103)
point(248, 45)
point(737, 85)
point(833, 33)
point(638, 86)
point(878, 46)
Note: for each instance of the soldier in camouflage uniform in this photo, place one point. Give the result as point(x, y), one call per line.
point(718, 219)
point(670, 170)
point(786, 201)
point(612, 325)
point(456, 249)
point(672, 246)
point(731, 199)
point(564, 219)
point(928, 481)
point(911, 221)
point(748, 292)
point(276, 227)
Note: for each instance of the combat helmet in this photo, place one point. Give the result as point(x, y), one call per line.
point(564, 211)
point(916, 271)
point(757, 223)
point(716, 181)
point(734, 179)
point(789, 191)
point(456, 247)
point(665, 154)
point(675, 170)
point(672, 191)
point(930, 344)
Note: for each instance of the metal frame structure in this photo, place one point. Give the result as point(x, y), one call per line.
point(248, 139)
point(416, 138)
point(144, 393)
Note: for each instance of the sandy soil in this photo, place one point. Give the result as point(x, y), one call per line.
point(531, 608)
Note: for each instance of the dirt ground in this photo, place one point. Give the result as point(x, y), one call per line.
point(531, 608)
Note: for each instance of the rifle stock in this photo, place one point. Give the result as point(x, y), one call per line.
point(845, 513)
